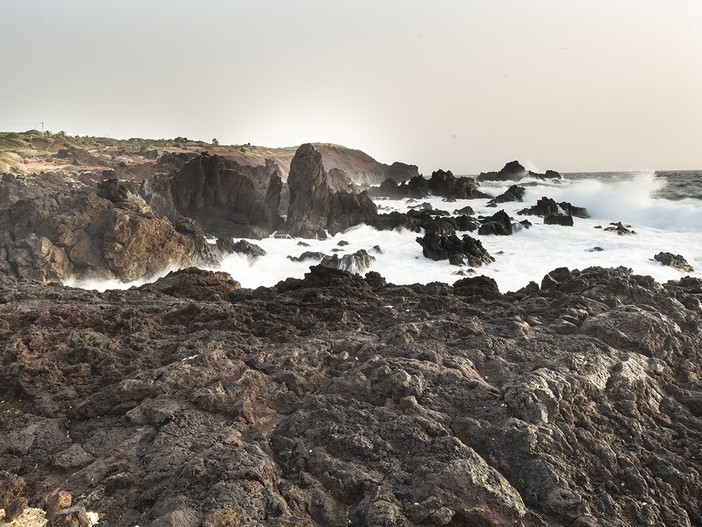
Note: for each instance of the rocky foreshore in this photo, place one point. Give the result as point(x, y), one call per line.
point(343, 400)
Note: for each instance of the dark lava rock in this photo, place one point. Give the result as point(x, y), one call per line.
point(72, 517)
point(548, 207)
point(444, 183)
point(559, 219)
point(418, 220)
point(498, 224)
point(512, 171)
point(464, 211)
point(11, 487)
point(674, 260)
point(355, 263)
point(337, 400)
point(457, 251)
point(513, 193)
point(620, 229)
point(226, 198)
point(314, 205)
point(195, 283)
point(441, 183)
point(480, 286)
point(111, 233)
point(229, 246)
point(15, 509)
point(309, 255)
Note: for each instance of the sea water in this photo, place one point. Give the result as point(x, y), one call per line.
point(655, 205)
point(664, 209)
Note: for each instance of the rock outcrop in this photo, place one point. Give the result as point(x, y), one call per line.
point(226, 198)
point(513, 193)
point(111, 233)
point(315, 207)
point(458, 251)
point(514, 171)
point(674, 260)
point(338, 400)
point(442, 183)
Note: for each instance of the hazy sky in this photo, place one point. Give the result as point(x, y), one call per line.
point(464, 85)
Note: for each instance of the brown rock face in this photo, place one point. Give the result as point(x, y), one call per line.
point(108, 234)
point(338, 400)
point(226, 198)
point(314, 205)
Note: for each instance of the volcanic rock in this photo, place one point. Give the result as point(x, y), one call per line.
point(418, 220)
point(513, 193)
point(334, 399)
point(674, 260)
point(620, 229)
point(251, 250)
point(356, 262)
point(226, 198)
point(444, 183)
point(457, 251)
point(548, 207)
point(565, 220)
point(108, 234)
point(314, 206)
point(499, 224)
point(512, 171)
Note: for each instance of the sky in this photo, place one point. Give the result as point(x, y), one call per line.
point(462, 85)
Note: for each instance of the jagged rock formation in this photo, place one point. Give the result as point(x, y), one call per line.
point(335, 400)
point(442, 183)
point(315, 206)
point(513, 193)
point(620, 229)
point(674, 260)
point(498, 224)
point(226, 198)
point(514, 171)
point(111, 233)
point(414, 220)
point(458, 251)
point(555, 213)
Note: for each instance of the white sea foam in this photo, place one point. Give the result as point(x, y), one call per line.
point(662, 225)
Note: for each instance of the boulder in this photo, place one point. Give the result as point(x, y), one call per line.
point(565, 220)
point(548, 207)
point(513, 193)
point(444, 183)
point(251, 250)
point(355, 263)
point(620, 229)
point(674, 260)
point(498, 224)
point(458, 251)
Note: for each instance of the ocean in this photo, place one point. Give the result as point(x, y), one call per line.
point(663, 208)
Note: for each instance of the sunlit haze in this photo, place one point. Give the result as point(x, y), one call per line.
point(461, 85)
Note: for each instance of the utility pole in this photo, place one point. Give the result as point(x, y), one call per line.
point(42, 127)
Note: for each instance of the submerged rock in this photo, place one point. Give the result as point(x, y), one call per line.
point(620, 229)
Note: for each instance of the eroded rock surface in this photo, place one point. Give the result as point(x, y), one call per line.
point(339, 400)
point(108, 233)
